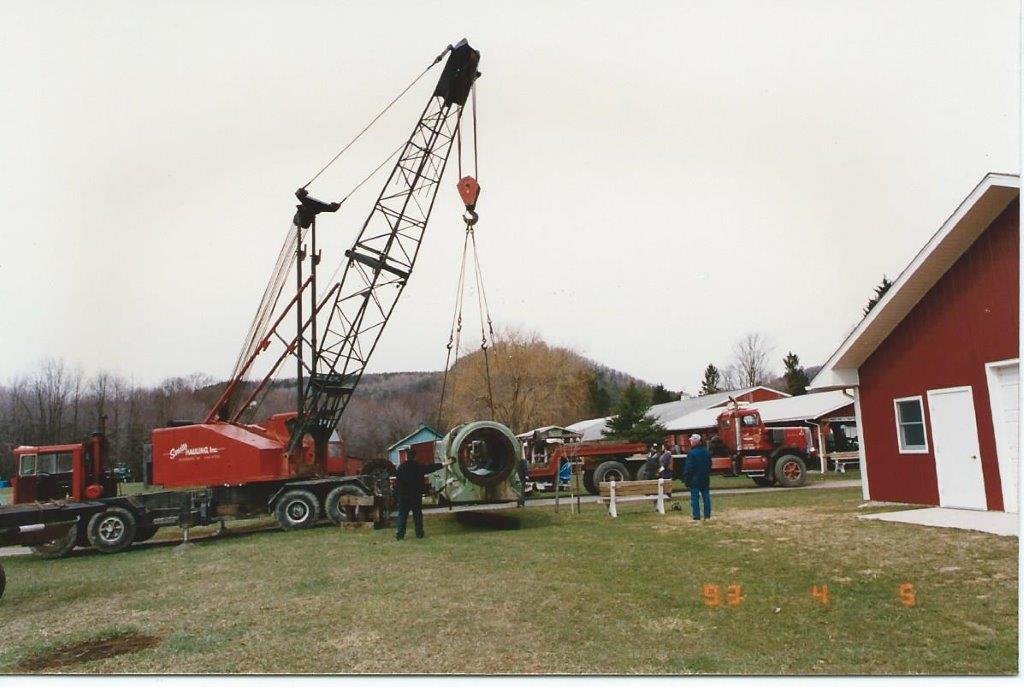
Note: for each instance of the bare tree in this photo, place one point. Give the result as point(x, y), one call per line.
point(533, 383)
point(752, 354)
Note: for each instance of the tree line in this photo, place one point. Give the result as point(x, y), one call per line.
point(521, 381)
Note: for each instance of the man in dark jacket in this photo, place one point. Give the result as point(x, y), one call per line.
point(650, 467)
point(665, 463)
point(410, 487)
point(697, 476)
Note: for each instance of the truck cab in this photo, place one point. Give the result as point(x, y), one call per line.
point(769, 455)
point(62, 472)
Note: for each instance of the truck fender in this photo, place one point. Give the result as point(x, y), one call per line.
point(786, 451)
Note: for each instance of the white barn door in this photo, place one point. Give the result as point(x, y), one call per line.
point(1004, 397)
point(955, 444)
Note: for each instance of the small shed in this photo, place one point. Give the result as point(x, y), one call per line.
point(934, 366)
point(421, 434)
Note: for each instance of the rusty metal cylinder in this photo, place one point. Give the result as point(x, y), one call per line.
point(480, 460)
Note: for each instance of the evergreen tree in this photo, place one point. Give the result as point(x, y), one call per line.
point(631, 422)
point(879, 292)
point(796, 378)
point(712, 383)
point(659, 394)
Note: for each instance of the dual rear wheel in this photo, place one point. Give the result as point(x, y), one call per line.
point(299, 509)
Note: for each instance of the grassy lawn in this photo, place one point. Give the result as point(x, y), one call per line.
point(564, 594)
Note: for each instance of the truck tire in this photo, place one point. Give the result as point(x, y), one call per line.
point(144, 532)
point(112, 530)
point(611, 469)
point(790, 471)
point(641, 472)
point(588, 482)
point(3, 581)
point(57, 548)
point(336, 512)
point(762, 481)
point(297, 510)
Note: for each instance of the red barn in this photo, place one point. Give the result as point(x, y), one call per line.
point(934, 365)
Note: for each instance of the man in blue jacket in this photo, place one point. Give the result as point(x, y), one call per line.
point(697, 476)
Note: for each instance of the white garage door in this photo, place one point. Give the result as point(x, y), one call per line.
point(1004, 393)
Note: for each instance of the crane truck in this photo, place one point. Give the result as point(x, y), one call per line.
point(226, 467)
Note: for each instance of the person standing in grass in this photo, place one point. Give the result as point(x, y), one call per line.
point(410, 487)
point(665, 463)
point(651, 463)
point(523, 469)
point(697, 476)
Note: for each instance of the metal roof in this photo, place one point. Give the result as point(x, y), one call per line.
point(988, 199)
point(792, 409)
point(530, 433)
point(663, 412)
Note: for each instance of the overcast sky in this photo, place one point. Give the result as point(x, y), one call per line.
point(658, 178)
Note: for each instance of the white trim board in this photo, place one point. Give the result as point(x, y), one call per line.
point(924, 426)
point(956, 235)
point(1009, 470)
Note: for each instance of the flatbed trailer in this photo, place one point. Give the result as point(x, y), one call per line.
point(64, 496)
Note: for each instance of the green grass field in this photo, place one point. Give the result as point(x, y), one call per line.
point(564, 594)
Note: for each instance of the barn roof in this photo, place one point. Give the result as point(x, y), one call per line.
point(664, 412)
point(954, 237)
point(792, 409)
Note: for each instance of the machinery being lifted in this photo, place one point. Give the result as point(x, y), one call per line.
point(224, 467)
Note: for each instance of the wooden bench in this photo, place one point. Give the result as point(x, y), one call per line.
point(659, 489)
point(842, 458)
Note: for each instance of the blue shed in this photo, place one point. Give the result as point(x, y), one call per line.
point(420, 434)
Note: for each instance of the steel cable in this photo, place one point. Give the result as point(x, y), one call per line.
point(379, 115)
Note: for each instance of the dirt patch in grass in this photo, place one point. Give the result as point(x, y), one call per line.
point(67, 655)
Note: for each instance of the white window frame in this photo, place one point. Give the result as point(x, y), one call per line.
point(899, 435)
point(21, 462)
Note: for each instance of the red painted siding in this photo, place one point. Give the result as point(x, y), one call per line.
point(760, 395)
point(969, 318)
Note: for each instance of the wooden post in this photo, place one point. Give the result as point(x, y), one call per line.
point(579, 485)
point(661, 495)
point(611, 499)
